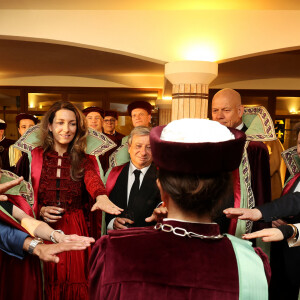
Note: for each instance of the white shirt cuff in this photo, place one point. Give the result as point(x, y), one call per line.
point(110, 225)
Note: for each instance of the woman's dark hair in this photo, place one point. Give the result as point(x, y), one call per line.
point(194, 193)
point(77, 147)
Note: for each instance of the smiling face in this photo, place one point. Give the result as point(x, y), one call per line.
point(140, 117)
point(140, 151)
point(24, 125)
point(94, 120)
point(63, 128)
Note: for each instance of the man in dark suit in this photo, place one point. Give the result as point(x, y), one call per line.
point(132, 186)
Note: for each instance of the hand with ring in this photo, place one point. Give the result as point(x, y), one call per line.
point(51, 214)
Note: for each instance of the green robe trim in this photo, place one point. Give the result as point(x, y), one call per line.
point(253, 283)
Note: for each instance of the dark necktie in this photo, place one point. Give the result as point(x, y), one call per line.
point(135, 188)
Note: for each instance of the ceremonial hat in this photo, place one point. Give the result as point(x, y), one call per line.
point(97, 109)
point(2, 124)
point(197, 146)
point(23, 116)
point(111, 113)
point(140, 104)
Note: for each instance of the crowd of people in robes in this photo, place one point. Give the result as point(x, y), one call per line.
point(174, 205)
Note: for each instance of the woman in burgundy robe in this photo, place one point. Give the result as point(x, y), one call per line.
point(60, 174)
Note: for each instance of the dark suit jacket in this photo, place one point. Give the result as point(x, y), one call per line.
point(285, 206)
point(146, 201)
point(285, 261)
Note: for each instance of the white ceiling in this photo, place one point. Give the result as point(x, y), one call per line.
point(28, 59)
point(150, 4)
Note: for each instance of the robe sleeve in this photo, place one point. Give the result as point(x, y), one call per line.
point(285, 206)
point(92, 180)
point(97, 269)
point(22, 167)
point(258, 156)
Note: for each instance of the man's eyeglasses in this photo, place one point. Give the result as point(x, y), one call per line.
point(109, 121)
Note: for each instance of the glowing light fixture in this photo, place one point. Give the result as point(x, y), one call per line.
point(190, 72)
point(167, 97)
point(200, 52)
point(293, 111)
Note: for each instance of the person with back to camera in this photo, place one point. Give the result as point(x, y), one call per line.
point(184, 256)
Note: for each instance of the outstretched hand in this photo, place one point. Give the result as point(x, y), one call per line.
point(104, 204)
point(267, 235)
point(76, 238)
point(48, 253)
point(243, 213)
point(4, 187)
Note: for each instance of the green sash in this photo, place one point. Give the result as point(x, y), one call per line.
point(253, 283)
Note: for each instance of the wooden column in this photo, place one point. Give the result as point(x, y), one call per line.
point(190, 80)
point(189, 101)
point(164, 111)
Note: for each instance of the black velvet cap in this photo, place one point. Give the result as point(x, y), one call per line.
point(97, 109)
point(111, 113)
point(3, 125)
point(140, 104)
point(197, 158)
point(23, 116)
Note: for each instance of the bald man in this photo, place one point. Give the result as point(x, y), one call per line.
point(227, 108)
point(252, 185)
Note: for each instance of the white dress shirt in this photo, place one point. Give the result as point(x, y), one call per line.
point(240, 126)
point(131, 178)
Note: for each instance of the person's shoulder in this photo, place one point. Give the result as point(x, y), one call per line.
point(130, 235)
point(119, 135)
point(117, 169)
point(134, 232)
point(10, 141)
point(7, 142)
point(258, 146)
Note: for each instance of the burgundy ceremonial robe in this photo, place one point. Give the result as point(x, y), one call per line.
point(19, 279)
point(258, 157)
point(143, 263)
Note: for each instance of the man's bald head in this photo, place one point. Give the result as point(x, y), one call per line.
point(227, 108)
